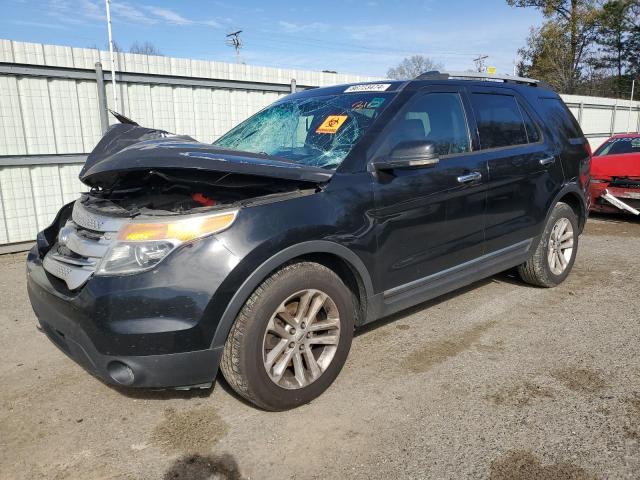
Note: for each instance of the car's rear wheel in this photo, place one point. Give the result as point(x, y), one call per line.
point(554, 257)
point(292, 337)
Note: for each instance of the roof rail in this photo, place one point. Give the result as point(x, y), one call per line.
point(481, 76)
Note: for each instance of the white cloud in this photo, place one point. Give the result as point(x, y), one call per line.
point(131, 14)
point(169, 16)
point(85, 11)
point(366, 32)
point(55, 26)
point(291, 27)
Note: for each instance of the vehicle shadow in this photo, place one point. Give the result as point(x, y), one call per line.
point(162, 394)
point(614, 217)
point(171, 394)
point(509, 277)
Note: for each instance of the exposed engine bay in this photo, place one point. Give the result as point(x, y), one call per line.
point(137, 175)
point(169, 192)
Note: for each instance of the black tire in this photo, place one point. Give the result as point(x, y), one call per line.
point(242, 359)
point(537, 271)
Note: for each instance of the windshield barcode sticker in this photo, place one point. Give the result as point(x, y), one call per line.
point(368, 87)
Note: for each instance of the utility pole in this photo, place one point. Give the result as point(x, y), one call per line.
point(233, 40)
point(113, 62)
point(479, 61)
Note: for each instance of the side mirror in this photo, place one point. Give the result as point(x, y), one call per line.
point(412, 154)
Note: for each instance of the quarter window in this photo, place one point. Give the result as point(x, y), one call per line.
point(500, 122)
point(561, 119)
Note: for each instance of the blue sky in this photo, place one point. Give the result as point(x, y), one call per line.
point(349, 36)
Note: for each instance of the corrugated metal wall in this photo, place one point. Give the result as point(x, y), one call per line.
point(602, 117)
point(54, 116)
point(49, 115)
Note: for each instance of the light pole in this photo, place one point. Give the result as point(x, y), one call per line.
point(113, 63)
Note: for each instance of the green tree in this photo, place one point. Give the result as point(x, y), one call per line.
point(570, 27)
point(413, 66)
point(631, 53)
point(546, 58)
point(613, 27)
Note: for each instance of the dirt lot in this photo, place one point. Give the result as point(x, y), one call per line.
point(499, 380)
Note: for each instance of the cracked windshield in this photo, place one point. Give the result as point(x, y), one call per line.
point(313, 131)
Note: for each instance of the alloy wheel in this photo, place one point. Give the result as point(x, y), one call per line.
point(301, 339)
point(560, 246)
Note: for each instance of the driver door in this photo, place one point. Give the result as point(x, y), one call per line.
point(429, 219)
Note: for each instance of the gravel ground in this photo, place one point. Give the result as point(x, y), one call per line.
point(499, 380)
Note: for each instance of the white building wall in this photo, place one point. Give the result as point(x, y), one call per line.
point(61, 116)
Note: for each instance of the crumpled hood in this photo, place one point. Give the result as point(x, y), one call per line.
point(126, 148)
point(621, 165)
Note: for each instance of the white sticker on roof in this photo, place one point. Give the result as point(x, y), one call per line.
point(368, 87)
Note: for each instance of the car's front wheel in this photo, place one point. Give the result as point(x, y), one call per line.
point(291, 338)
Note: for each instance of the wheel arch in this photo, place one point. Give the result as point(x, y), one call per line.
point(572, 196)
point(344, 262)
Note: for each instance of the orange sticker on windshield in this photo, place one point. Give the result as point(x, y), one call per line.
point(331, 124)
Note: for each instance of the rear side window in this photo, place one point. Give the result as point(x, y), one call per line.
point(560, 118)
point(500, 122)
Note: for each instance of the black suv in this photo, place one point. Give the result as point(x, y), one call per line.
point(325, 211)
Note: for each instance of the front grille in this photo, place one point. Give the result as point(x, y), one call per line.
point(80, 246)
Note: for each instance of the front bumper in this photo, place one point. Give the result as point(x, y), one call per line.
point(149, 330)
point(611, 199)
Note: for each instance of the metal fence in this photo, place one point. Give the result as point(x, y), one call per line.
point(601, 118)
point(53, 112)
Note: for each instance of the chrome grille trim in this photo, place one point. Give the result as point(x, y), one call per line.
point(88, 237)
point(94, 221)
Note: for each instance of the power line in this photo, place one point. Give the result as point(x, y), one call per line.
point(332, 45)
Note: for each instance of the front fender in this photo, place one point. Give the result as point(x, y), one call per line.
point(272, 263)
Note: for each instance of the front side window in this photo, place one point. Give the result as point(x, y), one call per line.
point(315, 131)
point(434, 117)
point(619, 146)
point(500, 123)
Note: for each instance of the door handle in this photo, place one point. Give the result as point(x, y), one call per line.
point(470, 177)
point(547, 161)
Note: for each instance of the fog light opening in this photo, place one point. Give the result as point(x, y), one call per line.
point(121, 373)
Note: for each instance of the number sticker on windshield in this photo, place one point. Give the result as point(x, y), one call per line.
point(331, 124)
point(368, 87)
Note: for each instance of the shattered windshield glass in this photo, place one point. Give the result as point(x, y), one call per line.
point(315, 131)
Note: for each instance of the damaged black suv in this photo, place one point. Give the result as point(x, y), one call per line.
point(327, 210)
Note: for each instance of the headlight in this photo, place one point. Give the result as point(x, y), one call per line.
point(141, 246)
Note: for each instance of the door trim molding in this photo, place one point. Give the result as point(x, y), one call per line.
point(435, 279)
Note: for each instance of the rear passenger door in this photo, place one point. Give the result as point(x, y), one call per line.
point(524, 168)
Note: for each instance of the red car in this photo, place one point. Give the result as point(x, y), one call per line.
point(615, 175)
